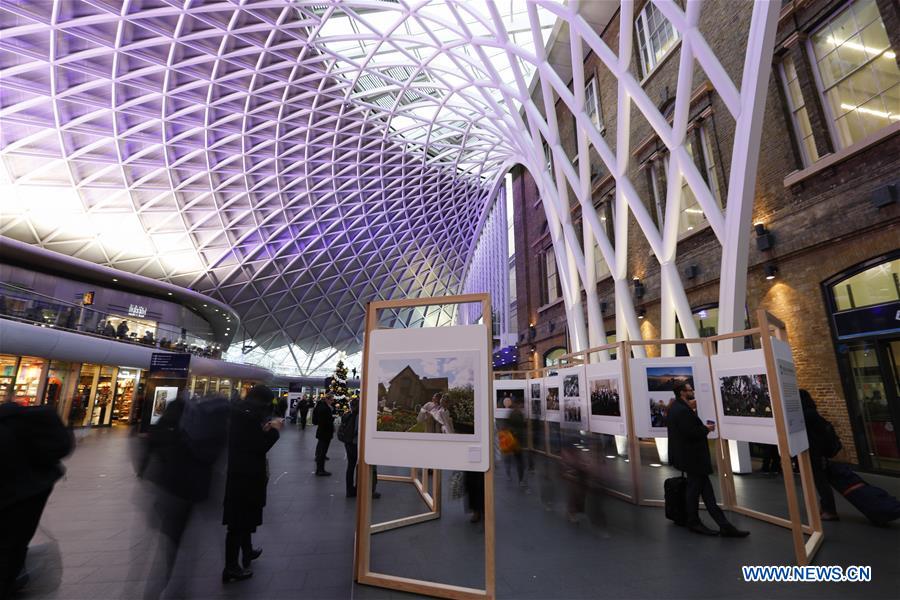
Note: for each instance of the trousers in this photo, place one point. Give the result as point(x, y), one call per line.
point(237, 540)
point(321, 452)
point(820, 478)
point(698, 485)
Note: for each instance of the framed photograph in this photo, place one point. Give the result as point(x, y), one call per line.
point(653, 384)
point(508, 393)
point(426, 394)
point(574, 414)
point(606, 398)
point(535, 399)
point(552, 396)
point(743, 397)
point(162, 397)
point(428, 400)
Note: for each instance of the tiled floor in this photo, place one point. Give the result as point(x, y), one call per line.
point(98, 515)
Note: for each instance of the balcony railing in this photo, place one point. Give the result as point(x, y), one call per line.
point(27, 306)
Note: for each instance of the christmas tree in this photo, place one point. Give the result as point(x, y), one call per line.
point(338, 389)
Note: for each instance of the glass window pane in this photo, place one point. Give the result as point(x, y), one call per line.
point(877, 285)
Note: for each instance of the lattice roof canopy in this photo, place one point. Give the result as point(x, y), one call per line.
point(294, 159)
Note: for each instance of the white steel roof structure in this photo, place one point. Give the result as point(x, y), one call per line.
point(298, 158)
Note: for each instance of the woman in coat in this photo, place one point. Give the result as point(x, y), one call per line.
point(251, 433)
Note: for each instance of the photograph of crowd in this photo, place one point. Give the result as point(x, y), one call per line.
point(605, 397)
point(661, 383)
point(570, 386)
point(552, 398)
point(572, 410)
point(427, 395)
point(745, 396)
point(508, 398)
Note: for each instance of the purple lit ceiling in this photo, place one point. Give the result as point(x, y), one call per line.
point(293, 159)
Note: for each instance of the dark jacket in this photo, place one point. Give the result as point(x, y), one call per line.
point(323, 418)
point(516, 425)
point(33, 439)
point(688, 449)
point(248, 476)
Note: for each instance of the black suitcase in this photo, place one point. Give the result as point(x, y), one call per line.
point(873, 502)
point(675, 488)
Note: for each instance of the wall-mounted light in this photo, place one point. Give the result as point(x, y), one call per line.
point(638, 288)
point(532, 332)
point(642, 313)
point(115, 280)
point(691, 271)
point(764, 239)
point(533, 348)
point(771, 272)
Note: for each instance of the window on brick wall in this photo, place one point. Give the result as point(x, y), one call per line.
point(551, 289)
point(592, 104)
point(691, 216)
point(799, 116)
point(656, 37)
point(605, 215)
point(856, 72)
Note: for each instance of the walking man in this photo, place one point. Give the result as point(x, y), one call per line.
point(689, 452)
point(304, 410)
point(323, 419)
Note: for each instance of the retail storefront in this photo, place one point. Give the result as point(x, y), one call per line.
point(865, 321)
point(82, 394)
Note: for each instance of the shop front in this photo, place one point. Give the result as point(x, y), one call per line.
point(865, 322)
point(105, 395)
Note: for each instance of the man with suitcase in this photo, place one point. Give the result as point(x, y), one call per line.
point(689, 452)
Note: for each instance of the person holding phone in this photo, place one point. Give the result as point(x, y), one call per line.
point(689, 452)
point(252, 433)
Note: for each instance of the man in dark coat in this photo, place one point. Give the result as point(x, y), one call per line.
point(689, 452)
point(304, 411)
point(817, 431)
point(251, 433)
point(351, 446)
point(33, 440)
point(323, 419)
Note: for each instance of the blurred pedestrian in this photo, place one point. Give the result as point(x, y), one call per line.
point(348, 433)
point(475, 493)
point(323, 419)
point(252, 433)
point(33, 440)
point(689, 452)
point(515, 426)
point(823, 444)
point(303, 409)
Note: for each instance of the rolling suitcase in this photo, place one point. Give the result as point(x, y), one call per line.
point(675, 488)
point(873, 502)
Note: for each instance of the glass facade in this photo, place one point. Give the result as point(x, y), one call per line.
point(877, 285)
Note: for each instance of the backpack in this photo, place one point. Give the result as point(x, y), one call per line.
point(832, 443)
point(203, 426)
point(345, 430)
point(508, 442)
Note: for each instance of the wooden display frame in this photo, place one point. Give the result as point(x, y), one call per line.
point(362, 571)
point(804, 550)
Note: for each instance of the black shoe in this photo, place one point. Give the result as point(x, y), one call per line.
point(323, 474)
point(254, 554)
point(733, 532)
point(376, 495)
point(235, 574)
point(702, 529)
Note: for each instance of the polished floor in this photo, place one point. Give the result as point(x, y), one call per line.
point(97, 521)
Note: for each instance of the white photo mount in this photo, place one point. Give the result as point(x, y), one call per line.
point(574, 410)
point(552, 385)
point(516, 389)
point(795, 424)
point(607, 378)
point(534, 399)
point(747, 364)
point(460, 344)
point(644, 369)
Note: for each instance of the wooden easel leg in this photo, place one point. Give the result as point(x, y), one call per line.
point(790, 489)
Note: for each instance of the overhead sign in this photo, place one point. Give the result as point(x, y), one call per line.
point(87, 298)
point(165, 364)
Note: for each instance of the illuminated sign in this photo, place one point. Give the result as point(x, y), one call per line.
point(87, 298)
point(135, 310)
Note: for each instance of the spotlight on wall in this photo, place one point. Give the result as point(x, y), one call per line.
point(771, 271)
point(638, 288)
point(642, 313)
point(532, 332)
point(691, 271)
point(764, 239)
point(533, 349)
